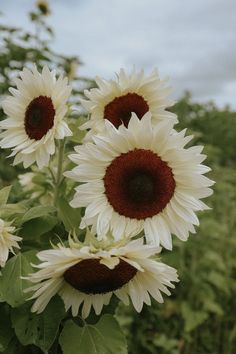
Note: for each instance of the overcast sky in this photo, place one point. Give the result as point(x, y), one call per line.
point(193, 42)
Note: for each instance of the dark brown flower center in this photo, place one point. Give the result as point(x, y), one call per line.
point(91, 277)
point(119, 110)
point(138, 184)
point(140, 187)
point(39, 117)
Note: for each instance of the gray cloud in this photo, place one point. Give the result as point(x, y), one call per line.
point(191, 42)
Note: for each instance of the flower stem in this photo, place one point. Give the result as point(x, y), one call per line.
point(58, 177)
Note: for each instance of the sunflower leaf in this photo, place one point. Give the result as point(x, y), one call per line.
point(105, 337)
point(4, 194)
point(69, 216)
point(37, 212)
point(11, 211)
point(34, 228)
point(14, 347)
point(6, 332)
point(40, 330)
point(11, 284)
point(192, 318)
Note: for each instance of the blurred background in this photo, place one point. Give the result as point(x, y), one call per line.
point(194, 44)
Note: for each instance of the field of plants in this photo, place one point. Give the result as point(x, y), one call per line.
point(199, 316)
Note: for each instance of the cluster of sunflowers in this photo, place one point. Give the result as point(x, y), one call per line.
point(137, 184)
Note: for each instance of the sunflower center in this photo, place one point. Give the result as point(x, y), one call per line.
point(91, 277)
point(140, 187)
point(39, 117)
point(120, 109)
point(138, 184)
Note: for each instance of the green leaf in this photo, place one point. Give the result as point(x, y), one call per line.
point(105, 337)
point(232, 335)
point(78, 134)
point(4, 194)
point(40, 330)
point(69, 216)
point(6, 332)
point(164, 341)
point(37, 212)
point(11, 284)
point(37, 227)
point(218, 280)
point(15, 347)
point(12, 210)
point(192, 318)
point(216, 259)
point(214, 307)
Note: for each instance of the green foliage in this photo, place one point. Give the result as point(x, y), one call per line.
point(4, 194)
point(11, 283)
point(38, 227)
point(69, 216)
point(41, 329)
point(192, 318)
point(12, 211)
point(37, 211)
point(5, 327)
point(211, 126)
point(105, 337)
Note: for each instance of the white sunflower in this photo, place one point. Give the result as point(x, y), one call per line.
point(8, 241)
point(88, 276)
point(115, 100)
point(36, 110)
point(140, 178)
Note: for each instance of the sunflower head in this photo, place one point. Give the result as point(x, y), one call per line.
point(87, 275)
point(36, 112)
point(116, 100)
point(140, 178)
point(43, 7)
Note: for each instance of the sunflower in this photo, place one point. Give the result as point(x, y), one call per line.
point(88, 275)
point(43, 7)
point(115, 100)
point(36, 111)
point(8, 241)
point(140, 178)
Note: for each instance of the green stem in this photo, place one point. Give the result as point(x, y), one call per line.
point(59, 176)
